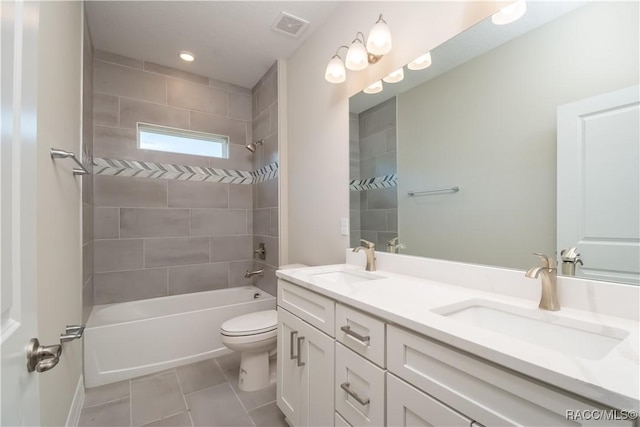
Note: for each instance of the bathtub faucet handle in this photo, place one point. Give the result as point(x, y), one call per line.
point(72, 332)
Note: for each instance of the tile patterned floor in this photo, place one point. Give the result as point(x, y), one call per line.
point(201, 394)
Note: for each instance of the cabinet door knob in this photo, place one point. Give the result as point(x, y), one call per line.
point(364, 339)
point(299, 346)
point(363, 402)
point(291, 338)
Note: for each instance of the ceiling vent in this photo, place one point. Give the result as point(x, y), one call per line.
point(290, 25)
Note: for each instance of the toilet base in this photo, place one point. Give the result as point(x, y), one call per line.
point(255, 372)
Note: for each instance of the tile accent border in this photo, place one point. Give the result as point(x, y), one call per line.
point(136, 168)
point(373, 183)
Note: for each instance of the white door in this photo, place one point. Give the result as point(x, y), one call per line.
point(20, 390)
point(599, 184)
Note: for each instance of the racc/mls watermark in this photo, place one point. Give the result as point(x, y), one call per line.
point(600, 414)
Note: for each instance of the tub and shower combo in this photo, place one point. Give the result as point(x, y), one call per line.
point(129, 339)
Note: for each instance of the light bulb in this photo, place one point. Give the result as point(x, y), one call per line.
point(395, 77)
point(421, 62)
point(186, 56)
point(510, 13)
point(335, 72)
point(356, 59)
point(379, 40)
point(374, 88)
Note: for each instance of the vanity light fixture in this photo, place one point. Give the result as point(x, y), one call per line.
point(420, 63)
point(395, 76)
point(362, 52)
point(375, 87)
point(511, 13)
point(186, 56)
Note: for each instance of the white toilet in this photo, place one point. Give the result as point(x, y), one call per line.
point(253, 335)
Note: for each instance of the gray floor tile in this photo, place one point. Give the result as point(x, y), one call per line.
point(113, 414)
point(106, 393)
point(156, 397)
point(199, 375)
point(268, 416)
point(180, 420)
point(217, 406)
point(251, 399)
point(229, 361)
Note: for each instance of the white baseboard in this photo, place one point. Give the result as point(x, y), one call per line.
point(76, 406)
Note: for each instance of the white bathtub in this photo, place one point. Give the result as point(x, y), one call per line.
point(129, 339)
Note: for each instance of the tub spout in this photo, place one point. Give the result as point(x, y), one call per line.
point(254, 273)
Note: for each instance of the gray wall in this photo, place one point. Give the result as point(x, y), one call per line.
point(156, 237)
point(489, 126)
point(265, 199)
point(376, 139)
point(87, 180)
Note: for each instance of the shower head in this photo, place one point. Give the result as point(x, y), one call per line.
point(254, 145)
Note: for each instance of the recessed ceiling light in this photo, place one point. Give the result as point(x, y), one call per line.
point(187, 56)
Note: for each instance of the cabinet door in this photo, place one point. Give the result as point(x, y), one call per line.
point(408, 406)
point(316, 352)
point(290, 375)
point(305, 372)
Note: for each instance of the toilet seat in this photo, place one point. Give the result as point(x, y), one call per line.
point(260, 322)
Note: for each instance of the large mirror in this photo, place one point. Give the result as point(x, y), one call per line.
point(519, 138)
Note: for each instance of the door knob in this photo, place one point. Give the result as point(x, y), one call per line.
point(41, 358)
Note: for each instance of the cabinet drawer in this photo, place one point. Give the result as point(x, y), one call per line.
point(408, 406)
point(359, 389)
point(361, 333)
point(313, 308)
point(481, 390)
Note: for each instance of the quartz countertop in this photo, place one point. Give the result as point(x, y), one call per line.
point(612, 380)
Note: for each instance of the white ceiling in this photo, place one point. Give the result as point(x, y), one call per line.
point(232, 40)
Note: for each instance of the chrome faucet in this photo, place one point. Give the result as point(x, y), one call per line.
point(393, 246)
point(370, 250)
point(254, 273)
point(549, 273)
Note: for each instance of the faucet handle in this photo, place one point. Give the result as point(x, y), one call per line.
point(393, 241)
point(367, 244)
point(547, 261)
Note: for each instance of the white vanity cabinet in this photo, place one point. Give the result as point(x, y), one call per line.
point(305, 356)
point(482, 391)
point(341, 366)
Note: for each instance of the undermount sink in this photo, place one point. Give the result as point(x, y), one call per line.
point(346, 276)
point(538, 327)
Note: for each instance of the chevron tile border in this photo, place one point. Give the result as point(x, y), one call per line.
point(136, 168)
point(373, 183)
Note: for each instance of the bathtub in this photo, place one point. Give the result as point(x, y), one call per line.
point(129, 339)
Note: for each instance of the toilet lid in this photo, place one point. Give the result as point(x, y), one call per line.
point(251, 324)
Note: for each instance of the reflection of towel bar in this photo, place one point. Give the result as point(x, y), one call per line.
point(441, 190)
point(61, 154)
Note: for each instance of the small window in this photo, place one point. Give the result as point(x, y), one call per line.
point(172, 140)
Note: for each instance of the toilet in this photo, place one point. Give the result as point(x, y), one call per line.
point(253, 335)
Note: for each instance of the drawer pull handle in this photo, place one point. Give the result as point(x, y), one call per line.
point(362, 338)
point(292, 337)
point(363, 402)
point(300, 362)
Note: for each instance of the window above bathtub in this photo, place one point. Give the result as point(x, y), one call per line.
point(182, 141)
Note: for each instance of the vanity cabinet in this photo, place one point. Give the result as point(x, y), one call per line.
point(305, 357)
point(340, 366)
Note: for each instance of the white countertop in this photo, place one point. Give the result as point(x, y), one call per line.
point(407, 301)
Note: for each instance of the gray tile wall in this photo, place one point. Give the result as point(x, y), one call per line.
point(265, 197)
point(158, 237)
point(87, 180)
point(373, 153)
